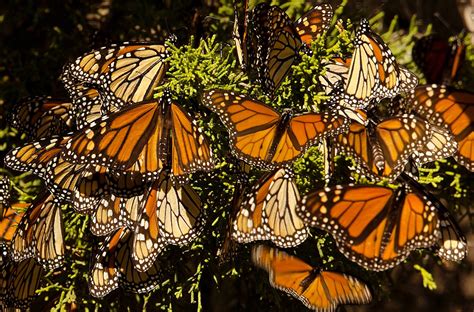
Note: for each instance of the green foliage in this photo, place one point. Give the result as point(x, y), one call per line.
point(208, 66)
point(428, 280)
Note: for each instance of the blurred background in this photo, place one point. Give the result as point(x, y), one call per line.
point(37, 37)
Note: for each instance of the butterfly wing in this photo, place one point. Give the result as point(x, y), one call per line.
point(126, 73)
point(374, 72)
point(334, 71)
point(88, 105)
point(78, 184)
point(276, 44)
point(8, 226)
point(438, 59)
point(385, 154)
point(314, 22)
point(131, 279)
point(134, 139)
point(35, 156)
point(112, 267)
point(318, 290)
point(190, 147)
point(104, 275)
point(4, 195)
point(134, 74)
point(451, 244)
point(252, 125)
point(40, 234)
point(42, 116)
point(398, 138)
point(20, 282)
point(441, 145)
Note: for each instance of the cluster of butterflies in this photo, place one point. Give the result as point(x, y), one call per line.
point(125, 159)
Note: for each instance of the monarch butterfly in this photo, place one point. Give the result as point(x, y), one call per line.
point(382, 150)
point(42, 116)
point(452, 109)
point(317, 289)
point(4, 195)
point(376, 227)
point(35, 156)
point(112, 267)
point(268, 212)
point(171, 215)
point(125, 73)
point(137, 139)
point(40, 234)
point(18, 283)
point(438, 59)
point(277, 40)
point(374, 72)
point(263, 137)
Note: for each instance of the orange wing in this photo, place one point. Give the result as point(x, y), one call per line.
point(127, 73)
point(318, 290)
point(8, 226)
point(452, 109)
point(304, 131)
point(133, 139)
point(372, 225)
point(314, 22)
point(190, 148)
point(252, 125)
point(19, 282)
point(374, 72)
point(78, 184)
point(42, 116)
point(35, 156)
